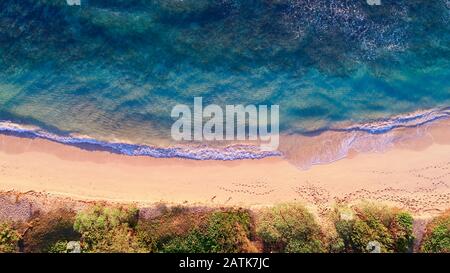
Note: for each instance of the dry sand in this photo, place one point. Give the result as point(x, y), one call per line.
point(413, 176)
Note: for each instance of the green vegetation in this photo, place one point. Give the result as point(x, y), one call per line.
point(289, 228)
point(154, 234)
point(181, 230)
point(58, 247)
point(282, 228)
point(368, 224)
point(222, 232)
point(9, 238)
point(108, 229)
point(437, 235)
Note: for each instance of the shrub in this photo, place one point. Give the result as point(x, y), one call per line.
point(9, 238)
point(48, 228)
point(402, 230)
point(108, 229)
point(175, 222)
point(223, 232)
point(289, 228)
point(104, 218)
point(192, 242)
point(117, 240)
point(58, 247)
point(389, 227)
point(437, 235)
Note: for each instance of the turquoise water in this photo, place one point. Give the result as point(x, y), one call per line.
point(113, 70)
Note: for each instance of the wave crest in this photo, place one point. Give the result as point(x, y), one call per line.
point(201, 152)
point(318, 148)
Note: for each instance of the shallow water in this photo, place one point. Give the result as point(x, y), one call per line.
point(113, 70)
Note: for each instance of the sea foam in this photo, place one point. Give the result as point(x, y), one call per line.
point(357, 138)
point(199, 152)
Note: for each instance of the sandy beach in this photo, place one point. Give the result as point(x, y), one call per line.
point(412, 175)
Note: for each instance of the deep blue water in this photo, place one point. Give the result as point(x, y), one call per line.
point(114, 69)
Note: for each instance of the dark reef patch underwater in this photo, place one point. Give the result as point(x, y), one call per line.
point(113, 69)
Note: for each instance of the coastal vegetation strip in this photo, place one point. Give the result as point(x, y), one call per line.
point(289, 227)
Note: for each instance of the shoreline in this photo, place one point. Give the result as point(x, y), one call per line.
point(413, 174)
point(349, 134)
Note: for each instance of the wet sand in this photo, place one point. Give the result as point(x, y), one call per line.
point(413, 175)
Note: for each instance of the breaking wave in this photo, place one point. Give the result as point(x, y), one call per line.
point(368, 131)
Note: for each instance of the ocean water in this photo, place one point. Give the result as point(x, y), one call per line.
point(108, 72)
